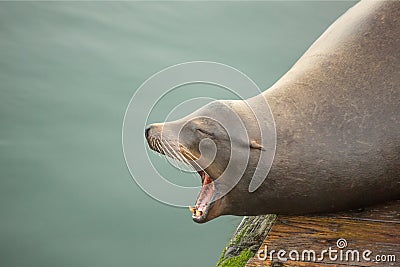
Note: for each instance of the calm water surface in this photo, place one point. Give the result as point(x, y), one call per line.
point(67, 72)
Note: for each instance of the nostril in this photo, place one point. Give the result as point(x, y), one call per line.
point(147, 130)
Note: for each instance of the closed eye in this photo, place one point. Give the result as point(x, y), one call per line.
point(205, 132)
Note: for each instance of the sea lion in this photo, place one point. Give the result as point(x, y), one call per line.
point(337, 119)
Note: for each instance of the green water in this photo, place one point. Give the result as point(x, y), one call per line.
point(67, 72)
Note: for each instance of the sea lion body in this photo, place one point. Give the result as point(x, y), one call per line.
point(337, 119)
point(337, 115)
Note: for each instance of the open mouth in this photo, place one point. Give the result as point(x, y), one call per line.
point(204, 200)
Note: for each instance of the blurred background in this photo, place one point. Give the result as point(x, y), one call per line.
point(67, 73)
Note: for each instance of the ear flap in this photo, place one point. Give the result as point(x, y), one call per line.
point(254, 144)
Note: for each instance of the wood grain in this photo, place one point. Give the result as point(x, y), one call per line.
point(375, 229)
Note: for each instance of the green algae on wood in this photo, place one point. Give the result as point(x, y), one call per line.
point(246, 240)
point(237, 261)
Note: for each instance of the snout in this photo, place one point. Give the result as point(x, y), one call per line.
point(153, 133)
point(152, 130)
point(147, 130)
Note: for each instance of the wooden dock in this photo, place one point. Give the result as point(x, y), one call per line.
point(375, 229)
point(369, 237)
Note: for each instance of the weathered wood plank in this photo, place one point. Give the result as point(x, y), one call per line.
point(318, 234)
point(388, 212)
point(376, 229)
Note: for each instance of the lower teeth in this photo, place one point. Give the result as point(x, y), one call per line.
point(195, 211)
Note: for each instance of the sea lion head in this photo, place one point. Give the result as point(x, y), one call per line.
point(221, 141)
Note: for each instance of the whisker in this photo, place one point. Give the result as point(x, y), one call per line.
point(182, 157)
point(178, 153)
point(192, 156)
point(166, 150)
point(159, 149)
point(176, 156)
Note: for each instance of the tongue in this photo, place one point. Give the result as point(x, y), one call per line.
point(206, 193)
point(207, 180)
